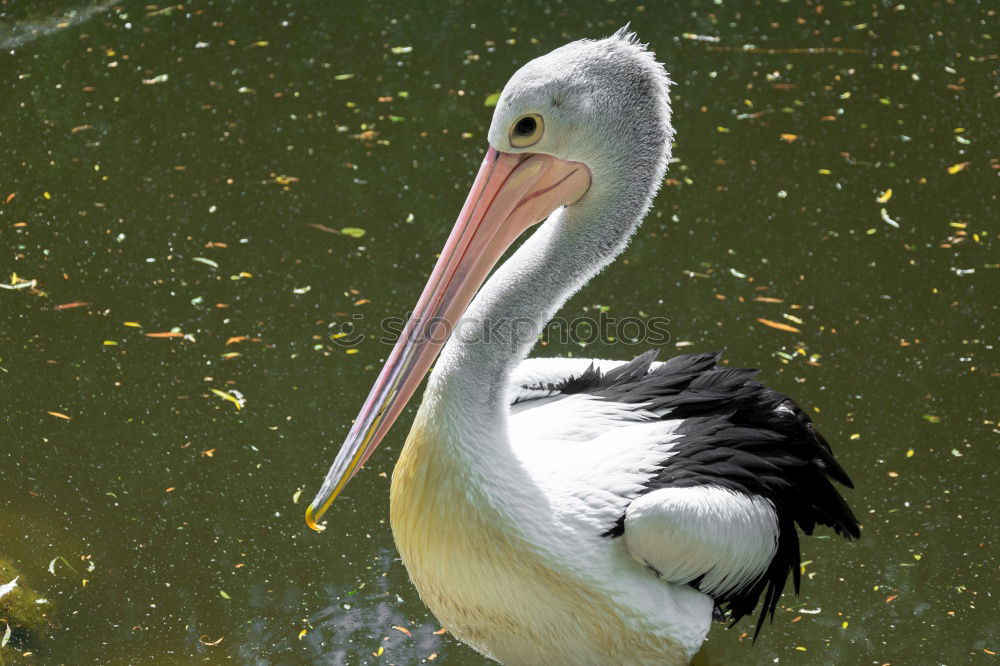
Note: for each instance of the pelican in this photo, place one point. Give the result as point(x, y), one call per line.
point(581, 511)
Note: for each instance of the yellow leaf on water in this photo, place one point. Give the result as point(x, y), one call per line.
point(885, 196)
point(229, 397)
point(303, 633)
point(955, 168)
point(403, 630)
point(60, 415)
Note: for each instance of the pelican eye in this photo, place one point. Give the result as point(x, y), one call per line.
point(527, 131)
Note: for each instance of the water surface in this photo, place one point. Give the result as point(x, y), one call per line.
point(185, 170)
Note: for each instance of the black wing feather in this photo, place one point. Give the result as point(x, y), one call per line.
point(739, 435)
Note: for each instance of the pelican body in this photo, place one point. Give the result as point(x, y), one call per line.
point(569, 510)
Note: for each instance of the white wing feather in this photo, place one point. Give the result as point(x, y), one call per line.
point(683, 533)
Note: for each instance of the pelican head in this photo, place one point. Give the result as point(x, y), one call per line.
point(583, 126)
point(601, 103)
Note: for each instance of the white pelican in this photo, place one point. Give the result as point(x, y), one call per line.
point(577, 511)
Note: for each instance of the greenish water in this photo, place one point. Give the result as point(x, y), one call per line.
point(167, 168)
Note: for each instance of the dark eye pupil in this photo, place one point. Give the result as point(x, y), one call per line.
point(525, 126)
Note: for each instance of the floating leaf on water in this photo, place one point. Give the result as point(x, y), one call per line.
point(955, 168)
point(379, 652)
point(296, 496)
point(909, 453)
point(235, 397)
point(778, 325)
point(353, 232)
point(491, 99)
point(60, 415)
point(790, 137)
point(302, 290)
point(133, 324)
point(402, 630)
point(203, 639)
point(932, 418)
point(222, 593)
point(52, 564)
point(70, 306)
point(888, 220)
point(303, 633)
point(207, 262)
point(166, 334)
point(343, 77)
point(885, 196)
point(6, 636)
point(400, 50)
point(162, 78)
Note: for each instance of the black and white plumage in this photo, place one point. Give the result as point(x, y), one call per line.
point(736, 435)
point(568, 510)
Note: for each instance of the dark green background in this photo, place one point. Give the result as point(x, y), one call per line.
point(140, 177)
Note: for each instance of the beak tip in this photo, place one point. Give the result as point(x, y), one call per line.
point(311, 519)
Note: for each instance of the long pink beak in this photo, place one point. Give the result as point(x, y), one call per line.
point(511, 193)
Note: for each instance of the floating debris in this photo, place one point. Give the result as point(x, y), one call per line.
point(233, 396)
point(778, 325)
point(207, 262)
point(888, 220)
